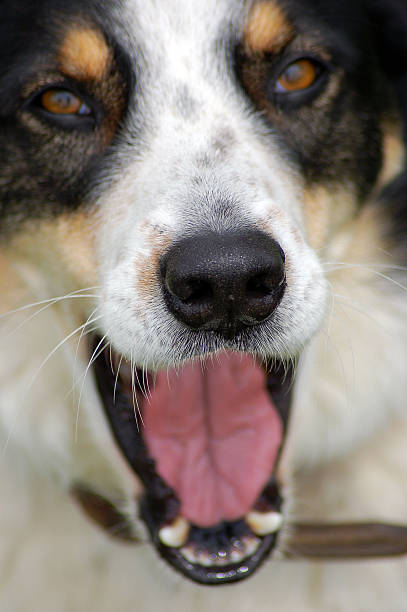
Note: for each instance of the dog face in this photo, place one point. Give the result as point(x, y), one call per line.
point(193, 162)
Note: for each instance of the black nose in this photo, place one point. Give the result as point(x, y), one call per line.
point(223, 282)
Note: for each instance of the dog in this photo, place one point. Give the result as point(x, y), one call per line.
point(203, 305)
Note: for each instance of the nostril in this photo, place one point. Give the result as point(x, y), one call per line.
point(201, 291)
point(260, 286)
point(192, 291)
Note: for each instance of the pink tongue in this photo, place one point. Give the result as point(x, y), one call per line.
point(214, 434)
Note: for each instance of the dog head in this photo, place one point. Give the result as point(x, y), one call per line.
point(194, 163)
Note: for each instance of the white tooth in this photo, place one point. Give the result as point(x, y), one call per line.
point(250, 546)
point(197, 557)
point(176, 534)
point(189, 554)
point(236, 556)
point(204, 560)
point(263, 523)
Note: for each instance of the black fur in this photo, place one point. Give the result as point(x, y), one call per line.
point(47, 168)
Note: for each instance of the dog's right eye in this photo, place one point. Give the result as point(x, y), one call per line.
point(63, 102)
point(64, 108)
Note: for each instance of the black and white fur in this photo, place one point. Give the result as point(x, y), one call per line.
point(191, 152)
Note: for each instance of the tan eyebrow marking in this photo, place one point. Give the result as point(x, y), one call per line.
point(267, 29)
point(84, 53)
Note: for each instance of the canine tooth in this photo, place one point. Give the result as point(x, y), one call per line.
point(263, 523)
point(176, 534)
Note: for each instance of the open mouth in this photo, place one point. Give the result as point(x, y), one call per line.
point(205, 440)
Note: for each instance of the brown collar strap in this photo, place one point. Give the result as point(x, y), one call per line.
point(323, 541)
point(104, 513)
point(345, 541)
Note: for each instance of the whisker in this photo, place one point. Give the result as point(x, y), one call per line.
point(137, 378)
point(148, 387)
point(34, 377)
point(111, 360)
point(89, 321)
point(48, 304)
point(136, 407)
point(356, 306)
point(367, 266)
point(54, 300)
point(116, 380)
point(146, 382)
point(92, 359)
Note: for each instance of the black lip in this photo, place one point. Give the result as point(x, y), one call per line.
point(214, 575)
point(160, 504)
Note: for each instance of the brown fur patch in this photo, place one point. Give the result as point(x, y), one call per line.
point(57, 253)
point(75, 241)
point(394, 154)
point(147, 269)
point(268, 29)
point(11, 290)
point(326, 210)
point(367, 244)
point(71, 240)
point(84, 53)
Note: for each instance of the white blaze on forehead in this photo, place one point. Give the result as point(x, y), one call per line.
point(170, 41)
point(192, 19)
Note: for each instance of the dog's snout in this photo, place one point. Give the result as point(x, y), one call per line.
point(224, 282)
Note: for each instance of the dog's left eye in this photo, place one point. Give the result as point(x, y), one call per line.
point(298, 76)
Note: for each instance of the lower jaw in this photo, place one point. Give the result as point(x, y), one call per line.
point(226, 552)
point(212, 566)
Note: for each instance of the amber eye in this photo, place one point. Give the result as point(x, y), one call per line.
point(298, 76)
point(63, 102)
